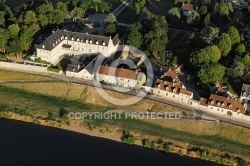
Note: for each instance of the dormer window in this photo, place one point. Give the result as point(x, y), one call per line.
point(66, 37)
point(62, 37)
point(72, 38)
point(97, 42)
point(212, 102)
point(87, 41)
point(90, 41)
point(159, 86)
point(244, 94)
point(43, 46)
point(218, 104)
point(103, 43)
point(78, 39)
point(223, 105)
point(56, 42)
point(238, 111)
point(230, 106)
point(53, 44)
point(174, 91)
point(167, 88)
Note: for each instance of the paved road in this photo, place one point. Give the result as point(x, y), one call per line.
point(121, 7)
point(150, 97)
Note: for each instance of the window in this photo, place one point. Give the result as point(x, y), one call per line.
point(211, 108)
point(222, 110)
point(158, 91)
point(173, 96)
point(121, 79)
point(218, 109)
point(166, 94)
point(181, 99)
point(89, 50)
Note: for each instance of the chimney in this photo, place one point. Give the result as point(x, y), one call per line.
point(43, 46)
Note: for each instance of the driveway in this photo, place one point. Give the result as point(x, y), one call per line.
point(96, 17)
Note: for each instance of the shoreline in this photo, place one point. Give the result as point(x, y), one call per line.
point(115, 134)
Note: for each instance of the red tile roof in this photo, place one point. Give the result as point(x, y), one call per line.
point(185, 92)
point(122, 73)
point(226, 102)
point(187, 7)
point(170, 73)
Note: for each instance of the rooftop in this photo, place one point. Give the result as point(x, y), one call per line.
point(187, 7)
point(60, 35)
point(227, 103)
point(116, 72)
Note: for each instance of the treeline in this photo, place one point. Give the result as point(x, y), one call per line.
point(196, 152)
point(215, 12)
point(151, 35)
point(215, 55)
point(18, 28)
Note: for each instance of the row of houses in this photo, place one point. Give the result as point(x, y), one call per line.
point(167, 86)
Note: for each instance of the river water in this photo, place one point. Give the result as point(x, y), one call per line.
point(29, 144)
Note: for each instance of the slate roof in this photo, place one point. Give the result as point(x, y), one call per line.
point(94, 64)
point(61, 35)
point(73, 68)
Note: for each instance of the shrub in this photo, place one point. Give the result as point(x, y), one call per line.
point(128, 138)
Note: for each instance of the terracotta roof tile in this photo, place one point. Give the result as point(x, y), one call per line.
point(188, 7)
point(185, 92)
point(122, 73)
point(226, 102)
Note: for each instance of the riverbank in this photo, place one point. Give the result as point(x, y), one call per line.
point(148, 141)
point(48, 104)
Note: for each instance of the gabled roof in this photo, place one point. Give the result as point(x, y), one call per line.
point(227, 103)
point(187, 7)
point(73, 68)
point(91, 66)
point(116, 72)
point(170, 73)
point(185, 92)
point(60, 35)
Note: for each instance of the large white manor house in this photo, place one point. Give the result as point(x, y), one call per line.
point(62, 42)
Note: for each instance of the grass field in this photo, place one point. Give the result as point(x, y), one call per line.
point(41, 98)
point(10, 75)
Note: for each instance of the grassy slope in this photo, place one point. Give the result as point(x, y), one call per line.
point(73, 98)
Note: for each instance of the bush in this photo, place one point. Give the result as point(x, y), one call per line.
point(128, 138)
point(2, 56)
point(56, 68)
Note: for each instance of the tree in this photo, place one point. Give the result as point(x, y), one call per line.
point(43, 20)
point(202, 10)
point(224, 44)
point(213, 52)
point(234, 35)
point(139, 5)
point(239, 49)
point(199, 58)
point(2, 18)
point(208, 34)
point(77, 12)
point(14, 47)
point(135, 38)
point(85, 5)
point(110, 18)
point(193, 18)
point(57, 17)
point(156, 34)
point(104, 6)
point(211, 73)
point(246, 62)
point(63, 8)
point(174, 14)
point(4, 37)
point(236, 70)
point(224, 10)
point(30, 18)
point(207, 20)
point(13, 30)
point(110, 29)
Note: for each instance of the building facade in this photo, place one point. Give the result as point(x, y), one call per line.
point(120, 77)
point(61, 43)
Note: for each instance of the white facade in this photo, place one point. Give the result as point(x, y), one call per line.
point(61, 43)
